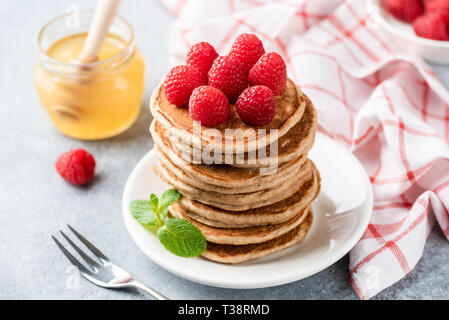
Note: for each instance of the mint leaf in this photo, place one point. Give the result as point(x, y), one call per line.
point(142, 211)
point(154, 202)
point(167, 199)
point(152, 229)
point(182, 238)
point(178, 236)
point(169, 196)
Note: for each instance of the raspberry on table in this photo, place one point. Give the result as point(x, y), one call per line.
point(77, 166)
point(405, 10)
point(201, 56)
point(209, 106)
point(179, 84)
point(228, 75)
point(256, 105)
point(270, 70)
point(248, 49)
point(432, 26)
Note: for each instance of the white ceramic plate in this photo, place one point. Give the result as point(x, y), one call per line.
point(344, 184)
point(402, 36)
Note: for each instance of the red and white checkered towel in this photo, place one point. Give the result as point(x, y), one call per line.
point(386, 107)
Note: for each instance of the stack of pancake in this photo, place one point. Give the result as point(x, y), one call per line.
point(247, 199)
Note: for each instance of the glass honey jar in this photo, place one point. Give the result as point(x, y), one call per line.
point(95, 100)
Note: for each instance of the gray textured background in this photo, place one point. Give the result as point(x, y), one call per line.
point(35, 202)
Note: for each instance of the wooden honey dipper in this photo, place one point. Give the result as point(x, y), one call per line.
point(98, 30)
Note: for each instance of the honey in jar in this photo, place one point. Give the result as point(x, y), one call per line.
point(95, 100)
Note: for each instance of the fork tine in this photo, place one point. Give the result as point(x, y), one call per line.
point(71, 258)
point(85, 257)
point(89, 245)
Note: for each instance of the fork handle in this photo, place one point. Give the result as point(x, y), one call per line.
point(149, 290)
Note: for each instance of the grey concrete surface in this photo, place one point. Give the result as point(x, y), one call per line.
point(35, 202)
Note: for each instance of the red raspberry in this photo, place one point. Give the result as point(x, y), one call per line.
point(256, 105)
point(76, 166)
point(228, 75)
point(209, 106)
point(201, 56)
point(270, 70)
point(437, 5)
point(432, 26)
point(248, 49)
point(405, 10)
point(179, 84)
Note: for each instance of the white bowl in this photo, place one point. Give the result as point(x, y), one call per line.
point(404, 38)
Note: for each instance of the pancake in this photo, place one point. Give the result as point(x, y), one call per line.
point(240, 236)
point(296, 142)
point(246, 186)
point(216, 173)
point(216, 224)
point(221, 175)
point(228, 253)
point(276, 213)
point(237, 202)
point(290, 106)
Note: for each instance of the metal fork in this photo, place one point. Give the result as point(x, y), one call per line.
point(103, 273)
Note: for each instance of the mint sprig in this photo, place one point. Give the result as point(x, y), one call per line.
point(182, 238)
point(143, 212)
point(178, 236)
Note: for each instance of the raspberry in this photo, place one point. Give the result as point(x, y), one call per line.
point(405, 10)
point(228, 75)
point(270, 70)
point(179, 84)
point(209, 106)
point(248, 49)
point(445, 16)
point(201, 56)
point(77, 166)
point(256, 105)
point(437, 5)
point(432, 26)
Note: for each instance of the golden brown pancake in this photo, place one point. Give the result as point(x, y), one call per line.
point(275, 213)
point(228, 179)
point(290, 107)
point(237, 202)
point(240, 236)
point(252, 185)
point(218, 174)
point(228, 253)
